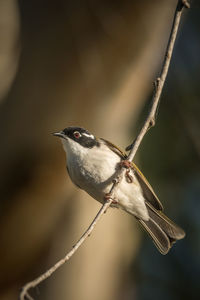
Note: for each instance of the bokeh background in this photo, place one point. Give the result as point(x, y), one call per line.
point(92, 64)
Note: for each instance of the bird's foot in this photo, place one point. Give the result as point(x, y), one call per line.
point(127, 165)
point(129, 178)
point(107, 197)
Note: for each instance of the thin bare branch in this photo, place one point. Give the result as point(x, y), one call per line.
point(159, 82)
point(149, 122)
point(24, 294)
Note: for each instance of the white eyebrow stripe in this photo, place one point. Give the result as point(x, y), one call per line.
point(88, 135)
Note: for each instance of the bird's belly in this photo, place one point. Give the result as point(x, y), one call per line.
point(129, 197)
point(93, 174)
point(98, 180)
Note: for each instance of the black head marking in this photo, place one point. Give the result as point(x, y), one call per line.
point(81, 136)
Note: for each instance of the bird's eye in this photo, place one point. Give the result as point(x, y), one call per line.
point(77, 134)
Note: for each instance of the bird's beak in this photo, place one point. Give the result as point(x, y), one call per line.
point(59, 134)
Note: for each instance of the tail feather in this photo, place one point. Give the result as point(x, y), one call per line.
point(158, 236)
point(162, 230)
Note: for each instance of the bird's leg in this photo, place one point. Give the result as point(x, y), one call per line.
point(107, 196)
point(127, 165)
point(129, 178)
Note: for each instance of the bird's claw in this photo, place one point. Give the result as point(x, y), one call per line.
point(127, 165)
point(129, 178)
point(107, 196)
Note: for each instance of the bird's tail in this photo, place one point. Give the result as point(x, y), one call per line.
point(162, 230)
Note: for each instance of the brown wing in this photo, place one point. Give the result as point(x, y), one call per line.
point(148, 191)
point(114, 149)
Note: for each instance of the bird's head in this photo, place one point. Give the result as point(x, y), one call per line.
point(77, 138)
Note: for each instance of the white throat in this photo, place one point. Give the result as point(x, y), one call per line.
point(73, 148)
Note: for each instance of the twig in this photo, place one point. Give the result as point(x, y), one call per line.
point(159, 82)
point(24, 294)
point(149, 122)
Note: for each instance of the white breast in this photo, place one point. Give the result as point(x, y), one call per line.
point(93, 171)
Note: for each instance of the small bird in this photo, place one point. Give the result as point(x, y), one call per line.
point(93, 163)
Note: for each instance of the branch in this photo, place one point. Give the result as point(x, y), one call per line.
point(149, 122)
point(159, 82)
point(24, 294)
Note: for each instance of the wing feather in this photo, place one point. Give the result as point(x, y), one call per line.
point(115, 149)
point(148, 191)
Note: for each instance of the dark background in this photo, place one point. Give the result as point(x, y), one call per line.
point(92, 64)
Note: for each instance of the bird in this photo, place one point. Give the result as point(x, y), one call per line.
point(93, 164)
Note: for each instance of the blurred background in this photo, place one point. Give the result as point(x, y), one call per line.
point(92, 64)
